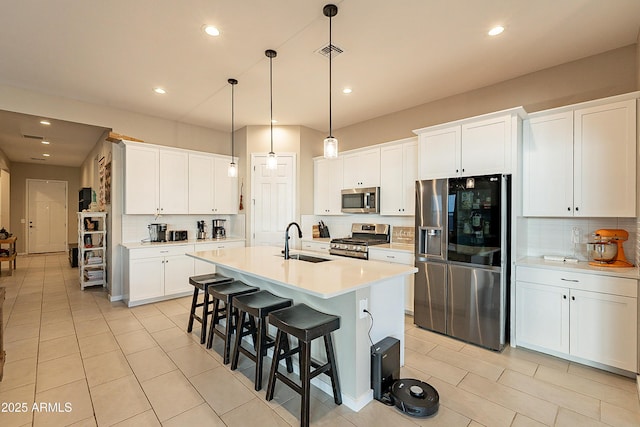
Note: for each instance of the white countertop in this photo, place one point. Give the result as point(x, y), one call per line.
point(327, 279)
point(137, 245)
point(580, 267)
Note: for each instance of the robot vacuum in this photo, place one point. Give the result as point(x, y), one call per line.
point(412, 397)
point(415, 398)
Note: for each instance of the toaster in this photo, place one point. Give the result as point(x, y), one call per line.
point(175, 235)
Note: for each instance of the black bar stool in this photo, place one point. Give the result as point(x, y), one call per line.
point(225, 293)
point(201, 283)
point(253, 309)
point(306, 324)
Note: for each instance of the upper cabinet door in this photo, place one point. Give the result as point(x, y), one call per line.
point(486, 147)
point(391, 181)
point(225, 188)
point(439, 153)
point(327, 186)
point(547, 165)
point(398, 174)
point(174, 182)
point(142, 177)
point(605, 160)
point(362, 169)
point(201, 178)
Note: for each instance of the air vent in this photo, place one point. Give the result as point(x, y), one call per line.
point(36, 158)
point(326, 51)
point(33, 137)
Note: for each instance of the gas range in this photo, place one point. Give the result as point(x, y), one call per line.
point(362, 236)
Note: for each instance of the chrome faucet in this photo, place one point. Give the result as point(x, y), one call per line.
point(286, 238)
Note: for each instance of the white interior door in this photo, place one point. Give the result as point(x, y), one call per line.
point(47, 216)
point(273, 194)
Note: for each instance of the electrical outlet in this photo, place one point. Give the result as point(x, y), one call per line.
point(575, 234)
point(362, 307)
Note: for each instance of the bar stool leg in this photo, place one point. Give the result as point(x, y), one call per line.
point(236, 347)
point(333, 373)
point(274, 366)
point(260, 352)
point(205, 317)
point(194, 301)
point(214, 322)
point(305, 358)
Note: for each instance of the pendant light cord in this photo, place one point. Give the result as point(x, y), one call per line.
point(330, 59)
point(232, 123)
point(271, 97)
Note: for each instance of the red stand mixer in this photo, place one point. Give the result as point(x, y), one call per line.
point(606, 250)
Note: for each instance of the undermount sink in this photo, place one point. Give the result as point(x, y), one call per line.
point(307, 258)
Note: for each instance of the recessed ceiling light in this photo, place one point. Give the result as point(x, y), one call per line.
point(45, 142)
point(159, 90)
point(498, 29)
point(45, 122)
point(347, 90)
point(46, 155)
point(211, 30)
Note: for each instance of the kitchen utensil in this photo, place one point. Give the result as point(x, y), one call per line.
point(606, 250)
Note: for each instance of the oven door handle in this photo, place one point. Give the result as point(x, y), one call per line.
point(367, 196)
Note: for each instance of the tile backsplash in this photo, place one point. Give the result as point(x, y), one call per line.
point(553, 236)
point(340, 225)
point(134, 227)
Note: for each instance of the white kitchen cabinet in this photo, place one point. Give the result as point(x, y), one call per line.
point(480, 145)
point(547, 165)
point(141, 179)
point(321, 247)
point(211, 190)
point(156, 180)
point(157, 273)
point(174, 182)
point(398, 175)
point(584, 316)
point(581, 162)
point(203, 267)
point(604, 163)
point(327, 185)
point(542, 316)
point(398, 257)
point(361, 169)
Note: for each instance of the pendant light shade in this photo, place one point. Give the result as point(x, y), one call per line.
point(272, 159)
point(233, 168)
point(330, 143)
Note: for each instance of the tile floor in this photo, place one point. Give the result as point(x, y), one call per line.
point(138, 367)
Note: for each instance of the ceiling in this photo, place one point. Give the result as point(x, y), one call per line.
point(396, 54)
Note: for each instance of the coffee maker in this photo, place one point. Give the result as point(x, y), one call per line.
point(202, 234)
point(158, 232)
point(218, 229)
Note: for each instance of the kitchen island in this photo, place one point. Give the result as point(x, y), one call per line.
point(340, 286)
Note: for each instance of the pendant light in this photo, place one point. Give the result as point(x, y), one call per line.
point(330, 143)
point(233, 168)
point(272, 159)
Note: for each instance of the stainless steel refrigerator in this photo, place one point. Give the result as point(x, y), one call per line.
point(462, 256)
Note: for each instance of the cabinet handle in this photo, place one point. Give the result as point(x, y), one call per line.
point(569, 280)
point(462, 169)
point(457, 171)
point(569, 208)
point(573, 298)
point(564, 297)
point(577, 209)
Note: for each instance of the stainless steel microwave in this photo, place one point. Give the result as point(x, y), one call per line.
point(361, 200)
